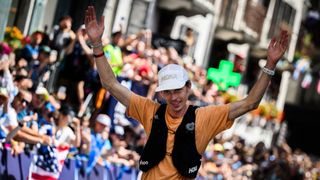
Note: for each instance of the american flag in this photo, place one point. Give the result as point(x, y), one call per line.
point(48, 163)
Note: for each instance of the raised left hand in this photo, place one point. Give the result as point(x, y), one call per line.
point(277, 48)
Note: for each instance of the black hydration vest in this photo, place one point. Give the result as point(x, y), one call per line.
point(185, 156)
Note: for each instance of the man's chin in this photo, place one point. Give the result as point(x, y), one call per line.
point(176, 108)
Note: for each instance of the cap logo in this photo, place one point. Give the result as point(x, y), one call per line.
point(169, 76)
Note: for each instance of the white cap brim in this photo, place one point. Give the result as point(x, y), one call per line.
point(170, 86)
point(104, 119)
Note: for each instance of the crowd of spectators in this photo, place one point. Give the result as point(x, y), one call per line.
point(50, 94)
point(232, 158)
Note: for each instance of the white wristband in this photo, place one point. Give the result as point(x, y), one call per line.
point(98, 45)
point(268, 71)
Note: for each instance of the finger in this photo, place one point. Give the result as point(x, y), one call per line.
point(87, 15)
point(272, 42)
point(284, 40)
point(285, 43)
point(93, 13)
point(90, 13)
point(86, 18)
point(283, 37)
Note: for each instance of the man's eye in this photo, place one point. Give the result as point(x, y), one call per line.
point(178, 90)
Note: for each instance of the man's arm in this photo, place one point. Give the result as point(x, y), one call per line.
point(76, 124)
point(276, 49)
point(107, 77)
point(70, 47)
point(25, 135)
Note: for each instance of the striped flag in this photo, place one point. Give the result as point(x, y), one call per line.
point(47, 164)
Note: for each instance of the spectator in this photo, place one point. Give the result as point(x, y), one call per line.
point(4, 99)
point(99, 144)
point(18, 113)
point(63, 38)
point(114, 54)
point(30, 51)
point(64, 136)
point(79, 61)
point(190, 41)
point(40, 71)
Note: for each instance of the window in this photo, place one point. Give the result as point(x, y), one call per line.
point(229, 10)
point(283, 15)
point(138, 16)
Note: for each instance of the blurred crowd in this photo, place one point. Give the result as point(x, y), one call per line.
point(232, 158)
point(50, 95)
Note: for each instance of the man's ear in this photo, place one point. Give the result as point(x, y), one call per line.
point(188, 84)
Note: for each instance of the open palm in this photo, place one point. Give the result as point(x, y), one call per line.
point(93, 28)
point(277, 47)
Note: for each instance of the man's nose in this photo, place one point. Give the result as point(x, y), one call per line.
point(173, 96)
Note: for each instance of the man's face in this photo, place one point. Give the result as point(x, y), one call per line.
point(37, 100)
point(44, 57)
point(20, 102)
point(116, 39)
point(66, 24)
point(36, 38)
point(176, 99)
point(99, 128)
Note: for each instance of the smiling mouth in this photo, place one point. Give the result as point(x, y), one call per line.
point(175, 104)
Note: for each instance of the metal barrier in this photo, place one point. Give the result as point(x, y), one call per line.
point(17, 167)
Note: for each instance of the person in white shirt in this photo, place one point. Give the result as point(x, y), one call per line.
point(64, 135)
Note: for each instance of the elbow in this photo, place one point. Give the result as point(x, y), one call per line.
point(109, 83)
point(105, 84)
point(251, 105)
point(254, 107)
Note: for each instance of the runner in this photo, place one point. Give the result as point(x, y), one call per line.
point(178, 133)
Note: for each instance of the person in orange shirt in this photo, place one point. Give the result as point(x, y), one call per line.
point(178, 133)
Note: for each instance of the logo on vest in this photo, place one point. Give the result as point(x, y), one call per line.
point(190, 126)
point(156, 117)
point(193, 169)
point(144, 163)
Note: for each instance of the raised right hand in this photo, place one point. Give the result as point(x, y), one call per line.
point(93, 28)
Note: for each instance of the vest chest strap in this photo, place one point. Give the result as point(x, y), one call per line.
point(171, 131)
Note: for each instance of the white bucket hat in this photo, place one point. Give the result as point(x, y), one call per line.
point(171, 77)
point(104, 119)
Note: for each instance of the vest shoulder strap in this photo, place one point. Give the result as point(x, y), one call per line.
point(156, 146)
